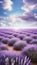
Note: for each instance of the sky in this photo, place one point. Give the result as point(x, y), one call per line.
point(18, 14)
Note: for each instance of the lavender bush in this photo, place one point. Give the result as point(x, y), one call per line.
point(19, 45)
point(28, 39)
point(12, 41)
point(34, 41)
point(5, 40)
point(3, 47)
point(31, 51)
point(21, 36)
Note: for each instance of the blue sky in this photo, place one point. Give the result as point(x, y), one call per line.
point(16, 8)
point(18, 12)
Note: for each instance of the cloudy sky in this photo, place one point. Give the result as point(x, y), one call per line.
point(18, 13)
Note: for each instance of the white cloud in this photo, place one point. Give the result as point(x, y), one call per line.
point(12, 18)
point(29, 5)
point(3, 25)
point(15, 22)
point(28, 8)
point(7, 5)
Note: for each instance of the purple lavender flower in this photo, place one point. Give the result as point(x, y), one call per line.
point(34, 41)
point(15, 34)
point(21, 36)
point(18, 59)
point(34, 36)
point(12, 41)
point(5, 40)
point(19, 45)
point(31, 51)
point(28, 39)
point(10, 36)
point(3, 47)
point(1, 37)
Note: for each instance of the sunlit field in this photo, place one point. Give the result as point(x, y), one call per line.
point(18, 47)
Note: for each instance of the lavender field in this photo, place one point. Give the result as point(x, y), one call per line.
point(18, 47)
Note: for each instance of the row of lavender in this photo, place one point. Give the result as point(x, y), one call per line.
point(21, 40)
